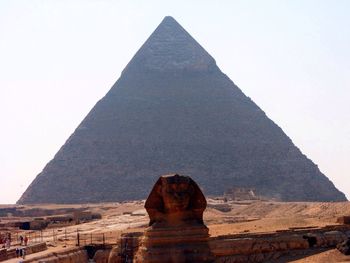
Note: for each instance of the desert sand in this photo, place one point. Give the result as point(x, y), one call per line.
point(222, 218)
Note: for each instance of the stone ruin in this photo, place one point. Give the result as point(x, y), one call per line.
point(345, 220)
point(240, 193)
point(176, 231)
point(344, 247)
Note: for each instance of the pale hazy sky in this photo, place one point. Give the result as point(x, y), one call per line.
point(58, 58)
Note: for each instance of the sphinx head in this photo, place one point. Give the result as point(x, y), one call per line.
point(175, 197)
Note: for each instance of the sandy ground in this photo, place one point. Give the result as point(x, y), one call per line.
point(254, 216)
point(327, 256)
point(221, 218)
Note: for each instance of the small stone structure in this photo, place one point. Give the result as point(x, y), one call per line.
point(344, 220)
point(126, 249)
point(240, 193)
point(176, 231)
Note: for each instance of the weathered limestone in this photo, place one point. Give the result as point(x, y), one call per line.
point(126, 249)
point(102, 256)
point(114, 256)
point(326, 239)
point(266, 247)
point(176, 232)
point(71, 255)
point(254, 247)
point(344, 247)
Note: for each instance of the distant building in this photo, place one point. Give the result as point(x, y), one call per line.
point(240, 193)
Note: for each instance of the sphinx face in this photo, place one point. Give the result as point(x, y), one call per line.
point(176, 196)
point(175, 200)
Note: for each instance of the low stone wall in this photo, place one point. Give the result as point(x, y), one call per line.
point(255, 249)
point(71, 255)
point(11, 253)
point(3, 254)
point(264, 247)
point(35, 248)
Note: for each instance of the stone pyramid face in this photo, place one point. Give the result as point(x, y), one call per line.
point(173, 111)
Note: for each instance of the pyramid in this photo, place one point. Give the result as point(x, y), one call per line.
point(173, 111)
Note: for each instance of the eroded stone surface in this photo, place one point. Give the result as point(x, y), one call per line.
point(176, 232)
point(344, 247)
point(175, 200)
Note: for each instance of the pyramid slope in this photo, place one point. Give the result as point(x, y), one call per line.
point(170, 48)
point(173, 110)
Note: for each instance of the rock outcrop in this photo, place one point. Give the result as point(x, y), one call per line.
point(69, 255)
point(272, 247)
point(172, 109)
point(344, 246)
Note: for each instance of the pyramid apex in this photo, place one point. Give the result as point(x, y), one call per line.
point(171, 48)
point(169, 18)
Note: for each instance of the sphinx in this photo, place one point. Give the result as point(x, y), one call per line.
point(176, 231)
